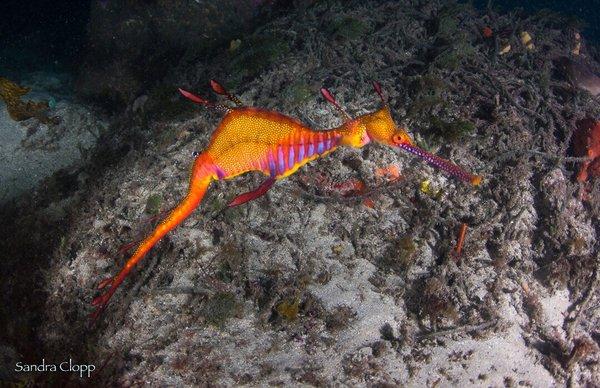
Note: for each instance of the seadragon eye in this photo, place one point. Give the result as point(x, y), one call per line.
point(397, 139)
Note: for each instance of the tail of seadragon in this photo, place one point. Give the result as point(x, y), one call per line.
point(200, 178)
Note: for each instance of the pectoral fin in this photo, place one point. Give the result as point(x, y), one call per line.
point(249, 196)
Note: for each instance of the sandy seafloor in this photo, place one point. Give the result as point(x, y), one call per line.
point(307, 287)
point(25, 164)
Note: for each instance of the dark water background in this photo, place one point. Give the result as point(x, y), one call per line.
point(42, 34)
point(51, 35)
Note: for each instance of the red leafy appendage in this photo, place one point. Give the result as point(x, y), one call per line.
point(586, 142)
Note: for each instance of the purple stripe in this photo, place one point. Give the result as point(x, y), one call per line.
point(311, 150)
point(271, 163)
point(220, 172)
point(300, 153)
point(291, 156)
point(280, 160)
point(320, 147)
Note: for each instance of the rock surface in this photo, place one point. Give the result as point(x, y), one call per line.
point(31, 151)
point(305, 286)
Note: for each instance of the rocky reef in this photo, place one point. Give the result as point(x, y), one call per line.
point(325, 282)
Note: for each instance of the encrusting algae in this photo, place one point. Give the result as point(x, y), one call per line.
point(20, 110)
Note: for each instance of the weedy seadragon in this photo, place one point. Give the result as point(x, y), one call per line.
point(254, 139)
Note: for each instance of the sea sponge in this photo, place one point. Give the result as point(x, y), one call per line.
point(19, 110)
point(586, 142)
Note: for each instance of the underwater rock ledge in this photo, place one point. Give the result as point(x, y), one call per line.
point(317, 284)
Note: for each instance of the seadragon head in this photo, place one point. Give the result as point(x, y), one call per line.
point(379, 126)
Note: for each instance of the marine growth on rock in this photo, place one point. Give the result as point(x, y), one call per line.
point(586, 142)
point(20, 110)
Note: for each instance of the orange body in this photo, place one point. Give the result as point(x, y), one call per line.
point(253, 139)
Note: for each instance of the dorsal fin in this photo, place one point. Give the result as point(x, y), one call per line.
point(377, 88)
point(329, 97)
point(202, 101)
point(219, 89)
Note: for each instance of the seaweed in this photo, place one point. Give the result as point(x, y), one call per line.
point(231, 263)
point(451, 131)
point(298, 92)
point(220, 308)
point(532, 305)
point(425, 103)
point(432, 299)
point(153, 204)
point(20, 110)
point(340, 318)
point(255, 53)
point(428, 189)
point(428, 91)
point(288, 309)
point(453, 44)
point(348, 28)
point(447, 25)
point(400, 255)
point(455, 55)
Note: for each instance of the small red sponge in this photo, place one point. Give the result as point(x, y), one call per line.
point(586, 142)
